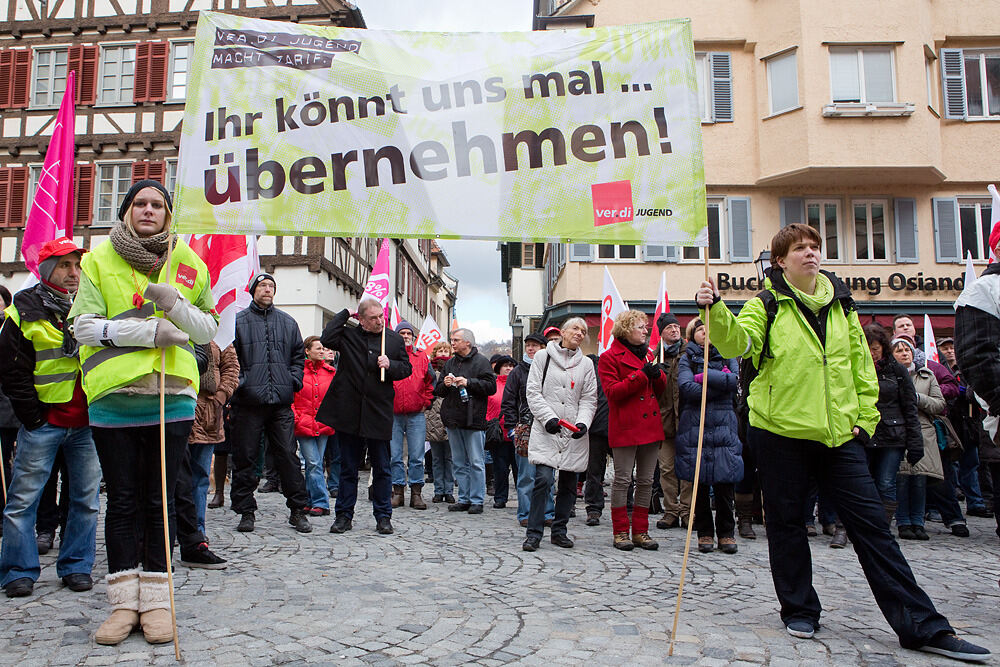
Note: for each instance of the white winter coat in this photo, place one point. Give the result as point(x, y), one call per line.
point(570, 393)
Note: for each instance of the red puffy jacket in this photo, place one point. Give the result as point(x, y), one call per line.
point(633, 411)
point(415, 393)
point(315, 383)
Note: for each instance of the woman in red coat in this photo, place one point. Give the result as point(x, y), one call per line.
point(311, 434)
point(635, 428)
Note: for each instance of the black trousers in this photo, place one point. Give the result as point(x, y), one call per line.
point(785, 466)
point(725, 523)
point(352, 451)
point(504, 462)
point(130, 462)
point(593, 488)
point(248, 421)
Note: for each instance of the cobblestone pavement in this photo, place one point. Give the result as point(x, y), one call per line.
point(450, 589)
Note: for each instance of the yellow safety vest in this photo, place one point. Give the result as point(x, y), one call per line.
point(108, 368)
point(55, 372)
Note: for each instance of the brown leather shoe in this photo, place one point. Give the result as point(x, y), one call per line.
point(706, 545)
point(623, 542)
point(118, 627)
point(416, 499)
point(644, 541)
point(397, 495)
point(727, 545)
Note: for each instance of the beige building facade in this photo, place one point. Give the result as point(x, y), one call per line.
point(872, 122)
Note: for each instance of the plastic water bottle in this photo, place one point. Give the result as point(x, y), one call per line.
point(463, 394)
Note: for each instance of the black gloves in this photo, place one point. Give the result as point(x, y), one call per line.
point(552, 426)
point(582, 432)
point(913, 457)
point(652, 371)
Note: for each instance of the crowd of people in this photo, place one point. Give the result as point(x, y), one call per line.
point(805, 409)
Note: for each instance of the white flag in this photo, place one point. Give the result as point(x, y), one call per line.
point(994, 215)
point(430, 334)
point(970, 271)
point(611, 306)
point(930, 345)
point(394, 317)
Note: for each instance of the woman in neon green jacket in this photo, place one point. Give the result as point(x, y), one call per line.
point(812, 409)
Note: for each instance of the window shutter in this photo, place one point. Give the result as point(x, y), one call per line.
point(157, 171)
point(140, 87)
point(722, 87)
point(946, 238)
point(907, 249)
point(504, 263)
point(139, 171)
point(158, 59)
point(581, 252)
point(515, 255)
point(793, 209)
point(83, 61)
point(654, 253)
point(4, 194)
point(539, 255)
point(20, 87)
point(670, 254)
point(85, 193)
point(13, 196)
point(953, 83)
point(740, 237)
point(6, 77)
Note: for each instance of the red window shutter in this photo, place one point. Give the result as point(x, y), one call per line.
point(4, 195)
point(157, 171)
point(139, 171)
point(83, 61)
point(21, 85)
point(85, 193)
point(18, 196)
point(158, 58)
point(141, 87)
point(6, 77)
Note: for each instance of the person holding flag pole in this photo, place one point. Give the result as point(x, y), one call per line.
point(144, 298)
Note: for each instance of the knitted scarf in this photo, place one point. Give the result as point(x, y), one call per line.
point(144, 254)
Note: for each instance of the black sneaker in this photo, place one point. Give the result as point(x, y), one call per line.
point(78, 582)
point(459, 507)
point(448, 498)
point(246, 523)
point(562, 541)
point(269, 487)
point(438, 498)
point(383, 526)
point(341, 524)
point(960, 530)
point(593, 519)
point(531, 544)
point(44, 541)
point(297, 519)
point(202, 557)
point(801, 629)
point(19, 588)
point(951, 646)
point(906, 533)
point(475, 509)
point(920, 534)
point(499, 504)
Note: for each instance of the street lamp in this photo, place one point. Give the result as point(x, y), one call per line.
point(762, 263)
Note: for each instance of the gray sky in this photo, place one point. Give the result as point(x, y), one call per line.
point(482, 299)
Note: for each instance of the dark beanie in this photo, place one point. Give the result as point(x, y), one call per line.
point(537, 337)
point(403, 324)
point(259, 277)
point(665, 320)
point(134, 190)
point(500, 360)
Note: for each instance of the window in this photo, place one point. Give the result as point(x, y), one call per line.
point(48, 82)
point(34, 173)
point(117, 77)
point(824, 217)
point(170, 182)
point(862, 75)
point(975, 227)
point(180, 58)
point(704, 87)
point(528, 254)
point(870, 231)
point(783, 82)
point(113, 181)
point(982, 83)
point(929, 73)
point(610, 253)
point(716, 243)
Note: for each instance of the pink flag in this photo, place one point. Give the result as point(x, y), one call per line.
point(930, 345)
point(611, 305)
point(51, 213)
point(994, 219)
point(662, 306)
point(232, 262)
point(377, 286)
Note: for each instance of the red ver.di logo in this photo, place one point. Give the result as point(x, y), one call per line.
point(612, 202)
point(186, 275)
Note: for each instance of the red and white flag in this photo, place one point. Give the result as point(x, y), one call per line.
point(377, 286)
point(232, 262)
point(611, 305)
point(430, 334)
point(930, 345)
point(662, 306)
point(394, 317)
point(51, 213)
point(994, 219)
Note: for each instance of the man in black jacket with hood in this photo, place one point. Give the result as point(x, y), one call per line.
point(272, 359)
point(359, 406)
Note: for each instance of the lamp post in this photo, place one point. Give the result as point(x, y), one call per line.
point(762, 263)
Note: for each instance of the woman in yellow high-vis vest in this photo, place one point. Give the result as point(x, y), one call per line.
point(131, 309)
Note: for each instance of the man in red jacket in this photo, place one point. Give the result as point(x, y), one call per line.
point(413, 395)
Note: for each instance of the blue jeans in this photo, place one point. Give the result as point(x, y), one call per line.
point(468, 453)
point(332, 457)
point(414, 426)
point(525, 486)
point(883, 464)
point(444, 473)
point(911, 493)
point(36, 452)
point(313, 450)
point(201, 468)
point(966, 477)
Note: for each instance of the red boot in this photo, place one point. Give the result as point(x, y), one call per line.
point(619, 524)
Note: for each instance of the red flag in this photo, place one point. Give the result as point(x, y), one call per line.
point(662, 306)
point(232, 262)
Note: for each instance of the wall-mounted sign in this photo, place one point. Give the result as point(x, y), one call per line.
point(896, 282)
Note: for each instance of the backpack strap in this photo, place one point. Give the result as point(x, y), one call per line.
point(545, 371)
point(771, 309)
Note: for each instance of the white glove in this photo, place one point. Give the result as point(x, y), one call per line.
point(97, 331)
point(167, 334)
point(162, 294)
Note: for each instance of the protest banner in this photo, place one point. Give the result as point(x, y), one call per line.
point(586, 135)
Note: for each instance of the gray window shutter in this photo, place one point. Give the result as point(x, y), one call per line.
point(946, 238)
point(907, 249)
point(514, 251)
point(581, 252)
point(793, 209)
point(654, 253)
point(670, 253)
point(953, 83)
point(722, 86)
point(740, 238)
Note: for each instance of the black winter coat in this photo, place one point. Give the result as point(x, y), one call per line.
point(514, 403)
point(358, 401)
point(269, 347)
point(7, 417)
point(899, 425)
point(469, 415)
point(600, 423)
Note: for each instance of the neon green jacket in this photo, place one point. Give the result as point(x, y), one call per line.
point(807, 390)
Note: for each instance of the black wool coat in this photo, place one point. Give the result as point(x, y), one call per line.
point(469, 415)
